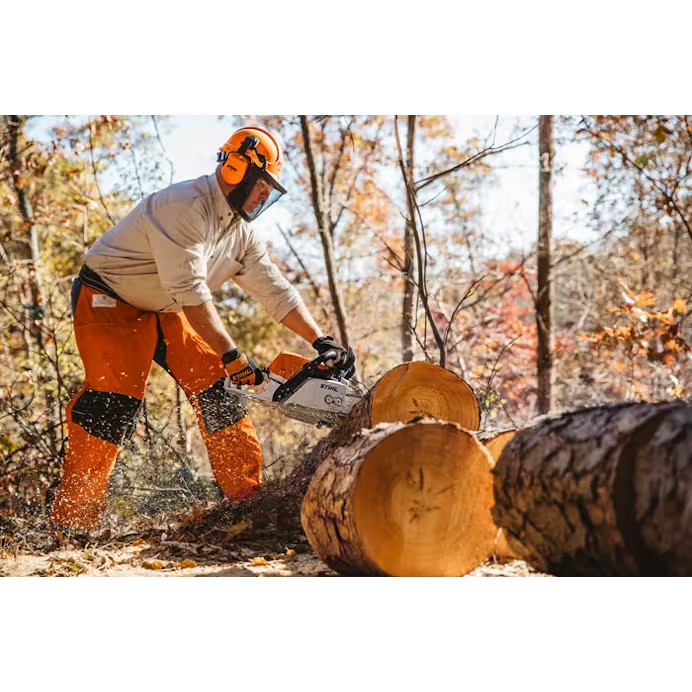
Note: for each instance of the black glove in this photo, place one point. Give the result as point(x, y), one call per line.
point(241, 368)
point(344, 359)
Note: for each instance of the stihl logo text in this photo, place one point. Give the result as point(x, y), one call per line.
point(329, 387)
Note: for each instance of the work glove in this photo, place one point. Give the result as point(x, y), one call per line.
point(241, 368)
point(344, 359)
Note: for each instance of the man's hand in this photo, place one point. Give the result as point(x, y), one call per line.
point(345, 359)
point(241, 368)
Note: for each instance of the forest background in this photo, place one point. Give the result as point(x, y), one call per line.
point(410, 237)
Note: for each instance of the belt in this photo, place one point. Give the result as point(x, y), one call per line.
point(90, 278)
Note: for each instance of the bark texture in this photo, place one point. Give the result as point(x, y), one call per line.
point(403, 499)
point(544, 292)
point(605, 491)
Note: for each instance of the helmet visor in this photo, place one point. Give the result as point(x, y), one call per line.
point(256, 193)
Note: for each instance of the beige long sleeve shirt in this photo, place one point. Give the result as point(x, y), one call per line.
point(180, 244)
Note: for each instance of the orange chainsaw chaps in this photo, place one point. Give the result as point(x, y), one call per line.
point(235, 457)
point(287, 364)
point(117, 344)
point(81, 497)
point(235, 453)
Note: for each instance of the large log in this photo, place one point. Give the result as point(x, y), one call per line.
point(403, 499)
point(605, 491)
point(408, 391)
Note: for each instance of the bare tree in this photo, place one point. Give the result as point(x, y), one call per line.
point(321, 210)
point(415, 232)
point(544, 307)
point(408, 264)
point(25, 248)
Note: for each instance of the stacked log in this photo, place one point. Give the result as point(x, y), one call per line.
point(599, 491)
point(403, 487)
point(409, 391)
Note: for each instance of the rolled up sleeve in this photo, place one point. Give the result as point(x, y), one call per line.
point(263, 280)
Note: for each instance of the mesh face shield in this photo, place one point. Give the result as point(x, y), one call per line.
point(255, 193)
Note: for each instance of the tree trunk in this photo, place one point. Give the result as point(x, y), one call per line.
point(544, 303)
point(409, 283)
point(420, 259)
point(322, 216)
point(601, 491)
point(403, 499)
point(410, 390)
point(25, 244)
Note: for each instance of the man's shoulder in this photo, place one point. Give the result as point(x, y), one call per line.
point(185, 189)
point(191, 194)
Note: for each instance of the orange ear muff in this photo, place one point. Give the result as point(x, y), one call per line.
point(234, 168)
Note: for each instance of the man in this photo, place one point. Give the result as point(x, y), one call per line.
point(145, 293)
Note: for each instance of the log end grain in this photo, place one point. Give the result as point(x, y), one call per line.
point(495, 442)
point(424, 390)
point(403, 500)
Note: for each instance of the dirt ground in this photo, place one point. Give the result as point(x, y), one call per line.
point(160, 556)
point(258, 537)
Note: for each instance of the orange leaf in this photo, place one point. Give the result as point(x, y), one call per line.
point(185, 564)
point(154, 564)
point(679, 305)
point(620, 367)
point(646, 299)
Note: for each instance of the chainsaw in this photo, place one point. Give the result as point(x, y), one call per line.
point(311, 391)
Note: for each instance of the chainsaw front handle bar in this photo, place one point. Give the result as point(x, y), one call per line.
point(327, 358)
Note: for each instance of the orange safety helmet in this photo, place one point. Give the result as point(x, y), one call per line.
point(237, 155)
point(252, 162)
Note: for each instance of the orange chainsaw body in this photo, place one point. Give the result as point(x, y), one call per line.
point(287, 364)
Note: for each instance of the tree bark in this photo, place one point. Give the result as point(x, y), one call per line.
point(604, 491)
point(544, 302)
point(411, 390)
point(409, 283)
point(403, 499)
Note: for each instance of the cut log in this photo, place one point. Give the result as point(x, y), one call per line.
point(605, 491)
point(408, 391)
point(403, 499)
point(495, 442)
